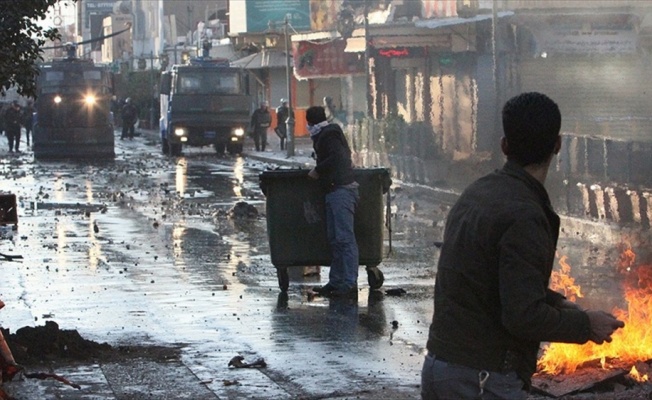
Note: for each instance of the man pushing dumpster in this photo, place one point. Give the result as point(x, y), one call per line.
point(334, 170)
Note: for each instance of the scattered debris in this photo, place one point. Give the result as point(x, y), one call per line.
point(32, 344)
point(243, 210)
point(43, 375)
point(237, 362)
point(8, 257)
point(395, 292)
point(228, 382)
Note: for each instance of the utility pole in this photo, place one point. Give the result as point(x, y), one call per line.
point(288, 74)
point(151, 90)
point(367, 55)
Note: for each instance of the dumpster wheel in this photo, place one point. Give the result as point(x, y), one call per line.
point(375, 277)
point(283, 278)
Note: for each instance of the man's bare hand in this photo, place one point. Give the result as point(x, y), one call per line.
point(313, 174)
point(603, 326)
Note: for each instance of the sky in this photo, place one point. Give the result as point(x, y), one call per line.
point(66, 9)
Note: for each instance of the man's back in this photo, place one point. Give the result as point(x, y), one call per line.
point(129, 112)
point(493, 306)
point(12, 117)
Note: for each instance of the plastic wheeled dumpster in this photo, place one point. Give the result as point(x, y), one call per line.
point(296, 223)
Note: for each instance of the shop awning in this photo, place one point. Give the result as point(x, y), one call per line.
point(262, 59)
point(416, 35)
point(446, 22)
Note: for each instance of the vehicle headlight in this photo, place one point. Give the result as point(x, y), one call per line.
point(238, 132)
point(180, 131)
point(89, 99)
point(57, 99)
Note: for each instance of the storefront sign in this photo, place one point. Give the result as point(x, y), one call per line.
point(261, 12)
point(324, 60)
point(401, 52)
point(587, 42)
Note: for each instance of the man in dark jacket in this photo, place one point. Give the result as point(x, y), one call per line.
point(28, 116)
point(129, 118)
point(13, 119)
point(282, 114)
point(334, 170)
point(261, 119)
point(493, 306)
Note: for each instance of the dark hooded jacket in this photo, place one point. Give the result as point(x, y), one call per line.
point(493, 306)
point(333, 154)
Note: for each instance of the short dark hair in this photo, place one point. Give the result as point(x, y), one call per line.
point(315, 115)
point(531, 123)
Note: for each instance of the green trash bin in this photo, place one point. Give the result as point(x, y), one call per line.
point(296, 225)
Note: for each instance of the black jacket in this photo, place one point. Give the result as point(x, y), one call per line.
point(129, 114)
point(261, 119)
point(13, 119)
point(333, 154)
point(492, 302)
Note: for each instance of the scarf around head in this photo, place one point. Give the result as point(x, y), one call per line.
point(315, 129)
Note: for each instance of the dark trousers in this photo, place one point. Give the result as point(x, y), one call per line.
point(443, 381)
point(260, 139)
point(127, 130)
point(13, 137)
point(28, 131)
point(281, 132)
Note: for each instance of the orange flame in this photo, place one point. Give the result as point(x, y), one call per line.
point(563, 282)
point(629, 345)
point(637, 376)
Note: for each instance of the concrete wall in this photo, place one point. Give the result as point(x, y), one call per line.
point(598, 95)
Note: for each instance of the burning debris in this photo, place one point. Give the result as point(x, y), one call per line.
point(625, 361)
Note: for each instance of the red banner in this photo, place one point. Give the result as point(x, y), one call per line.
point(325, 60)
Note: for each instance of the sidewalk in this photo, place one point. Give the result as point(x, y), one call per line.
point(301, 158)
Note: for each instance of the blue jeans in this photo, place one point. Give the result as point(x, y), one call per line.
point(444, 381)
point(340, 209)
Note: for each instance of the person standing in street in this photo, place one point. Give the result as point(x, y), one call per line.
point(28, 116)
point(282, 114)
point(129, 117)
point(261, 119)
point(13, 120)
point(334, 170)
point(115, 109)
point(493, 306)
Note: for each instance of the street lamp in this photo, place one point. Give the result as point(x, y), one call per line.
point(288, 74)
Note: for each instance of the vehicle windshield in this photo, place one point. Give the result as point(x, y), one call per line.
point(208, 82)
point(57, 80)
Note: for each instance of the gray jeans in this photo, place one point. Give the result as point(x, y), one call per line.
point(444, 381)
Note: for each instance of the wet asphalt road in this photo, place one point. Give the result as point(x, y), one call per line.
point(141, 251)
